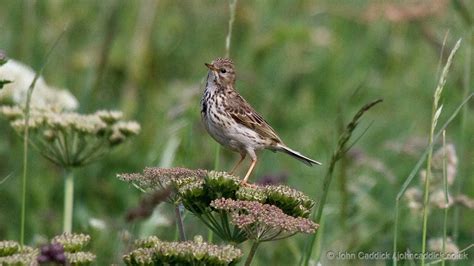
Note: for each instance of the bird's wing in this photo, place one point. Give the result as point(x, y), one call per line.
point(245, 115)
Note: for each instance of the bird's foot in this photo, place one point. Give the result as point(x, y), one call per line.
point(245, 184)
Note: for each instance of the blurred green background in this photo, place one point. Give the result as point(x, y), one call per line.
point(306, 66)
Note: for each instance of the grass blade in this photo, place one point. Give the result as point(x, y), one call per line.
point(417, 167)
point(25, 137)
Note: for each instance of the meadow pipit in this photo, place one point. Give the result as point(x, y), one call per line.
point(232, 122)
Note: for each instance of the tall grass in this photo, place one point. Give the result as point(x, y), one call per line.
point(436, 111)
point(341, 149)
point(415, 170)
point(26, 135)
point(446, 196)
point(464, 136)
point(319, 50)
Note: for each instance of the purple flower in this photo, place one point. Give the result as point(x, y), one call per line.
point(52, 253)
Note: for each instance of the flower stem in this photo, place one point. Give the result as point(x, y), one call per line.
point(68, 200)
point(23, 184)
point(252, 253)
point(179, 222)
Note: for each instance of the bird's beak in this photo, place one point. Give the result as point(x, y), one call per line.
point(211, 66)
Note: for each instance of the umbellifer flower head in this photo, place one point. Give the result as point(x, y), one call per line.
point(263, 222)
point(291, 201)
point(71, 139)
point(196, 189)
point(8, 247)
point(221, 184)
point(12, 254)
point(80, 258)
point(153, 251)
point(257, 193)
point(73, 245)
point(72, 242)
point(154, 178)
point(19, 259)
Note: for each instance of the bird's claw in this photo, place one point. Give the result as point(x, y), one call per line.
point(245, 184)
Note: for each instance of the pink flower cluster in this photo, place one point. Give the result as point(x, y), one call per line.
point(263, 222)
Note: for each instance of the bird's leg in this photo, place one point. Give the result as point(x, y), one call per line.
point(252, 166)
point(242, 157)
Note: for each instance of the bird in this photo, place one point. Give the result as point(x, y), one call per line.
point(234, 123)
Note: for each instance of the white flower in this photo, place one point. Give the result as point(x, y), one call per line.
point(44, 96)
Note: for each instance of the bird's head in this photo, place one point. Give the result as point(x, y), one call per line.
point(223, 71)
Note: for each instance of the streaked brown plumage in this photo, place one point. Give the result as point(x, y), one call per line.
point(232, 122)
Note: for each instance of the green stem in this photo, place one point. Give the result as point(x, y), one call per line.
point(25, 139)
point(464, 169)
point(395, 235)
point(319, 213)
point(342, 175)
point(415, 170)
point(210, 235)
point(68, 200)
point(252, 253)
point(427, 191)
point(446, 196)
point(435, 112)
point(336, 156)
point(232, 6)
point(225, 224)
point(23, 184)
point(179, 222)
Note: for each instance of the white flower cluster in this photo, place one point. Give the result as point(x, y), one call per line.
point(71, 139)
point(44, 95)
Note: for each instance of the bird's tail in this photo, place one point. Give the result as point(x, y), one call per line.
point(297, 155)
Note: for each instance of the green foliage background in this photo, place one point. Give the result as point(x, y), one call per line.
point(307, 66)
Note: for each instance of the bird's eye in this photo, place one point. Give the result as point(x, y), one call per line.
point(222, 70)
